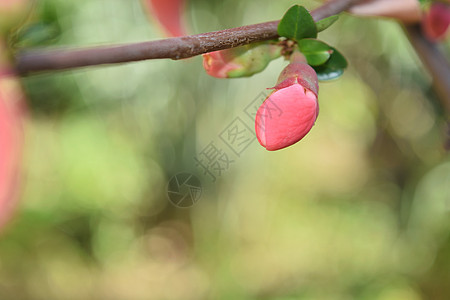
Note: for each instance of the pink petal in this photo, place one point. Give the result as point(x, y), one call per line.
point(286, 117)
point(11, 113)
point(437, 21)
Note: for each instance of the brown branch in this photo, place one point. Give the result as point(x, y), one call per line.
point(173, 48)
point(435, 62)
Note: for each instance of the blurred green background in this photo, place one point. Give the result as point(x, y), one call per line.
point(359, 209)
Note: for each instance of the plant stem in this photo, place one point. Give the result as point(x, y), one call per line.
point(298, 57)
point(434, 61)
point(174, 48)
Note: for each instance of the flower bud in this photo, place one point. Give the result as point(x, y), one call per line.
point(290, 111)
point(241, 61)
point(12, 112)
point(436, 21)
point(301, 73)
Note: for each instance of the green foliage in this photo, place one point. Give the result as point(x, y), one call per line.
point(325, 23)
point(315, 51)
point(251, 59)
point(297, 23)
point(333, 68)
point(326, 60)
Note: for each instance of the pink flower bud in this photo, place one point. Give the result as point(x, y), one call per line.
point(290, 111)
point(11, 117)
point(240, 61)
point(436, 22)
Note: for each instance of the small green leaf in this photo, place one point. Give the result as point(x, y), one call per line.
point(251, 59)
point(317, 59)
point(312, 45)
point(315, 51)
point(297, 24)
point(325, 23)
point(333, 68)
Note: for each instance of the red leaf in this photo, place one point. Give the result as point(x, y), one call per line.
point(169, 14)
point(12, 108)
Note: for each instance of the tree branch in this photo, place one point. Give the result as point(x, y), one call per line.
point(434, 61)
point(174, 48)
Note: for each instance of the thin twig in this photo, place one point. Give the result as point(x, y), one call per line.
point(434, 61)
point(172, 48)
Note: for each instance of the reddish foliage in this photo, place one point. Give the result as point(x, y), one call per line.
point(169, 14)
point(219, 63)
point(12, 110)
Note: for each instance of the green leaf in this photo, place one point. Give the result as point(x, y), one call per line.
point(312, 45)
point(325, 23)
point(317, 59)
point(333, 68)
point(425, 4)
point(251, 59)
point(315, 51)
point(297, 24)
